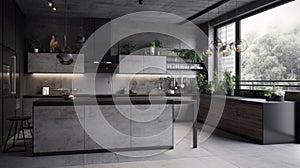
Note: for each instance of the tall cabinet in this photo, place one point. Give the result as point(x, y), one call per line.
point(12, 49)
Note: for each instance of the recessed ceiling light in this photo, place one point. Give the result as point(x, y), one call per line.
point(53, 8)
point(50, 3)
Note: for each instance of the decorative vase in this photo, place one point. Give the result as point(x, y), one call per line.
point(152, 51)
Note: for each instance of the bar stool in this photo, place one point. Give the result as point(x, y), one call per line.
point(17, 120)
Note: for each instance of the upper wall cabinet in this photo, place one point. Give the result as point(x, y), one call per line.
point(131, 64)
point(48, 63)
point(9, 24)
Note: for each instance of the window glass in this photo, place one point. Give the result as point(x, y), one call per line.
point(274, 46)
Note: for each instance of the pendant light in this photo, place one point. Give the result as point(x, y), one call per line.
point(240, 45)
point(225, 49)
point(65, 58)
point(218, 43)
point(209, 51)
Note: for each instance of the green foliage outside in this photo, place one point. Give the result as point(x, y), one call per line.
point(273, 56)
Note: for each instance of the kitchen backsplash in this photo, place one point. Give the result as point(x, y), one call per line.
point(103, 83)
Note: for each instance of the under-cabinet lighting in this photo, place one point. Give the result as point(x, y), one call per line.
point(56, 74)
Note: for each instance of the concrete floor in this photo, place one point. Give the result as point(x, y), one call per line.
point(220, 150)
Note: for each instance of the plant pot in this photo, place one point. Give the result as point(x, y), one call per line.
point(268, 98)
point(230, 92)
point(36, 50)
point(152, 51)
point(278, 98)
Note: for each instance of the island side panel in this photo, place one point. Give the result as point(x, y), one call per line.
point(279, 123)
point(57, 129)
point(152, 127)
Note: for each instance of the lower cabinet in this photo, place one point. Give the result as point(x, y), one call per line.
point(58, 129)
point(106, 127)
point(93, 127)
point(264, 122)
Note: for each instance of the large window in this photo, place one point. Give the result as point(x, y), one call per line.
point(227, 35)
point(273, 55)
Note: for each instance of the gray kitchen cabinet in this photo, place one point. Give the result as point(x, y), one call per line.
point(78, 61)
point(57, 128)
point(47, 62)
point(140, 64)
point(131, 64)
point(41, 62)
point(152, 125)
point(154, 64)
point(107, 126)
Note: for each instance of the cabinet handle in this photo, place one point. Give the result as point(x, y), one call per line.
point(14, 75)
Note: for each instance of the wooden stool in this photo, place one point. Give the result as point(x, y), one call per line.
point(17, 120)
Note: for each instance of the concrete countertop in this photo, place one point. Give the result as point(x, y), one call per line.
point(112, 101)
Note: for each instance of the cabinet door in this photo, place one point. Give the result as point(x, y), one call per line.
point(41, 62)
point(9, 27)
point(1, 109)
point(154, 64)
point(78, 60)
point(107, 126)
point(152, 125)
point(1, 20)
point(20, 50)
point(57, 129)
point(131, 64)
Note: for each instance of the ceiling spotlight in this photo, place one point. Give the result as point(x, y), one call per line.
point(53, 8)
point(50, 3)
point(141, 2)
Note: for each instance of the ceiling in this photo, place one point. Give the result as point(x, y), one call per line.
point(115, 8)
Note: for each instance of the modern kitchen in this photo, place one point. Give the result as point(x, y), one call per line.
point(100, 83)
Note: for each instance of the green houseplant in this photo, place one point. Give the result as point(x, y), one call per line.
point(189, 54)
point(202, 83)
point(127, 48)
point(152, 47)
point(35, 44)
point(229, 81)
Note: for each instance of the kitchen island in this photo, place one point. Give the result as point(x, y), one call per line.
point(105, 124)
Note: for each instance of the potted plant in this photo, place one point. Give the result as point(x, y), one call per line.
point(158, 45)
point(127, 48)
point(217, 86)
point(202, 83)
point(35, 44)
point(278, 95)
point(152, 47)
point(229, 81)
point(268, 94)
point(189, 54)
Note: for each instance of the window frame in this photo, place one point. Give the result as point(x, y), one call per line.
point(237, 21)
